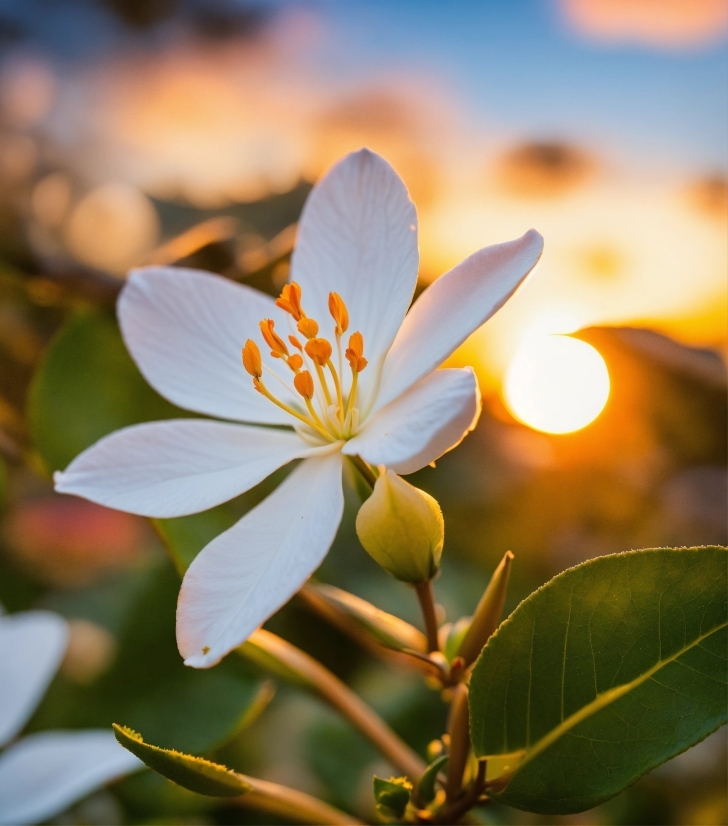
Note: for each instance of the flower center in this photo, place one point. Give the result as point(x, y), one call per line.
point(330, 411)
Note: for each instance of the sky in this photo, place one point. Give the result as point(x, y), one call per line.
point(520, 70)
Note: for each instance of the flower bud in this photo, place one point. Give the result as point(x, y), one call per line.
point(401, 527)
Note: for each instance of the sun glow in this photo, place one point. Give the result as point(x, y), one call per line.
point(556, 384)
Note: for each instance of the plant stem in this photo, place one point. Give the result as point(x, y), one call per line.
point(458, 728)
point(366, 472)
point(291, 804)
point(427, 604)
point(315, 676)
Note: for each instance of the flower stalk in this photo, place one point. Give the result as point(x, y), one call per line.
point(330, 688)
point(429, 615)
point(291, 804)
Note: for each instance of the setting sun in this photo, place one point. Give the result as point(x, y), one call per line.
point(556, 384)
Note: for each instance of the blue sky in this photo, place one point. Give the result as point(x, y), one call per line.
point(519, 71)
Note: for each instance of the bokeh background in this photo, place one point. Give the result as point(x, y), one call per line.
point(189, 132)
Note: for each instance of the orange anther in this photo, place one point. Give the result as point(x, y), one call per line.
point(251, 359)
point(308, 327)
point(304, 384)
point(290, 300)
point(355, 352)
point(319, 350)
point(296, 343)
point(295, 362)
point(339, 313)
point(274, 341)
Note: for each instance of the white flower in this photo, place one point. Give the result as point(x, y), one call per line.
point(44, 773)
point(383, 399)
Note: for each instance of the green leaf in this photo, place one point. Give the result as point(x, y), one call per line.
point(85, 387)
point(610, 669)
point(386, 629)
point(194, 773)
point(426, 787)
point(392, 795)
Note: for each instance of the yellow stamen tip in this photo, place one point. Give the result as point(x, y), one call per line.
point(252, 361)
point(339, 313)
point(303, 382)
point(319, 350)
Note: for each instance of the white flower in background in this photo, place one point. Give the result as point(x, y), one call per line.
point(44, 773)
point(363, 384)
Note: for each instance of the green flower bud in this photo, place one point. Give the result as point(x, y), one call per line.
point(401, 527)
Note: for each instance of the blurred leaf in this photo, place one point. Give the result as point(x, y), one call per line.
point(392, 795)
point(384, 628)
point(194, 773)
point(610, 669)
point(85, 387)
point(426, 787)
point(185, 536)
point(150, 688)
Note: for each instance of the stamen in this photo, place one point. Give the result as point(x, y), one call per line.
point(295, 362)
point(303, 382)
point(355, 356)
point(319, 350)
point(275, 342)
point(252, 361)
point(339, 313)
point(296, 343)
point(355, 352)
point(308, 327)
point(315, 424)
point(290, 301)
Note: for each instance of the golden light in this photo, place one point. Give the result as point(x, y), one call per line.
point(556, 384)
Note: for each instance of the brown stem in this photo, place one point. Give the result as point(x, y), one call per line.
point(455, 812)
point(291, 804)
point(318, 678)
point(458, 728)
point(427, 604)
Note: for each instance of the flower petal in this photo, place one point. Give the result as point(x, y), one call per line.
point(452, 308)
point(180, 466)
point(185, 330)
point(247, 573)
point(44, 773)
point(358, 237)
point(418, 427)
point(32, 645)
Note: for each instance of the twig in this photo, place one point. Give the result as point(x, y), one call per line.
point(342, 698)
point(291, 804)
point(427, 603)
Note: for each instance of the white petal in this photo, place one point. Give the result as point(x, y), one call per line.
point(32, 645)
point(247, 573)
point(44, 773)
point(358, 237)
point(185, 330)
point(452, 308)
point(180, 466)
point(428, 420)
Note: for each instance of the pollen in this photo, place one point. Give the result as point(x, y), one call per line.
point(339, 313)
point(308, 327)
point(319, 350)
point(303, 382)
point(277, 346)
point(252, 361)
point(290, 300)
point(355, 352)
point(330, 403)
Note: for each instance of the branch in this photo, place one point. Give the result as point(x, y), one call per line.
point(262, 646)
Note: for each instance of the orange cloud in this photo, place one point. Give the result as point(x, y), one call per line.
point(671, 24)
